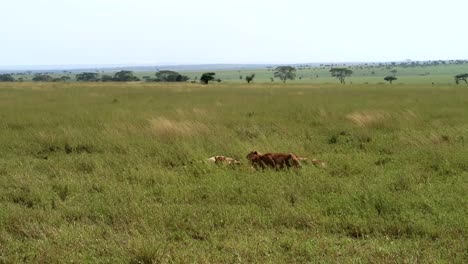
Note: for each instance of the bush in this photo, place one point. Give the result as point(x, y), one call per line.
point(170, 76)
point(42, 78)
point(6, 78)
point(207, 77)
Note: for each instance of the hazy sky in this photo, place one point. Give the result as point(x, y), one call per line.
point(65, 32)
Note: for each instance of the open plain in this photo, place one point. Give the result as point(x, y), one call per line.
point(108, 172)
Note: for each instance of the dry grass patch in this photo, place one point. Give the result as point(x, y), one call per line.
point(368, 118)
point(94, 94)
point(122, 130)
point(199, 111)
point(164, 127)
point(45, 136)
point(409, 115)
point(433, 137)
point(297, 93)
point(194, 112)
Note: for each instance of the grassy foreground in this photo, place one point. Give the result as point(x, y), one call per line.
point(104, 173)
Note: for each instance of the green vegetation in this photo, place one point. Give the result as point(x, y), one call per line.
point(42, 78)
point(434, 72)
point(461, 77)
point(125, 76)
point(170, 76)
point(250, 77)
point(87, 77)
point(421, 73)
point(390, 79)
point(285, 73)
point(62, 79)
point(341, 73)
point(107, 78)
point(207, 77)
point(6, 78)
point(113, 172)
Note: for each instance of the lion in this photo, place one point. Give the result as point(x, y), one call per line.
point(223, 160)
point(273, 160)
point(315, 162)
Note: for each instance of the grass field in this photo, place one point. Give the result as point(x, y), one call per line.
point(113, 173)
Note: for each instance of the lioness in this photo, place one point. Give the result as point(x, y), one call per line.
point(223, 160)
point(315, 162)
point(273, 160)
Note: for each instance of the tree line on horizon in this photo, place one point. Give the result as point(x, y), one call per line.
point(121, 76)
point(283, 73)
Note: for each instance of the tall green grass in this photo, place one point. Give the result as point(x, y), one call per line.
point(115, 173)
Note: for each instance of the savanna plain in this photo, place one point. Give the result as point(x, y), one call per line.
point(116, 173)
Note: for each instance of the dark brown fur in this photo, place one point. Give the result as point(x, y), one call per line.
point(273, 160)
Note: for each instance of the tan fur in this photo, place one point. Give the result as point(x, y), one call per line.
point(319, 163)
point(315, 162)
point(223, 160)
point(273, 160)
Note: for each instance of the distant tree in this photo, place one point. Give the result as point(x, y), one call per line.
point(61, 79)
point(65, 78)
point(6, 78)
point(461, 77)
point(170, 76)
point(394, 71)
point(42, 78)
point(148, 79)
point(250, 78)
point(341, 73)
point(390, 79)
point(87, 77)
point(125, 76)
point(107, 78)
point(207, 77)
point(285, 73)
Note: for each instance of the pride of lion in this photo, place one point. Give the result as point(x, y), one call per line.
point(269, 160)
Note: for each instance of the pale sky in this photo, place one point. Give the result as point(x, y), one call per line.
point(155, 32)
